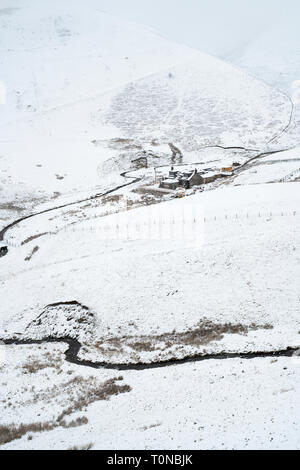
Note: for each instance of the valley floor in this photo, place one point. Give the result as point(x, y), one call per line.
point(214, 275)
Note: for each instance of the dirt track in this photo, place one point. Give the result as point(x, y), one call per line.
point(110, 191)
point(62, 206)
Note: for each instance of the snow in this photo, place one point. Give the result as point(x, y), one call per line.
point(292, 154)
point(138, 276)
point(282, 166)
point(227, 266)
point(273, 56)
point(279, 43)
point(188, 406)
point(74, 76)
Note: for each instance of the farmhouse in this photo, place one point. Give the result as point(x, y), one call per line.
point(178, 179)
point(188, 179)
point(195, 179)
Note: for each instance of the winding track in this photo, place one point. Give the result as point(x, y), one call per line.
point(134, 180)
point(71, 355)
point(62, 206)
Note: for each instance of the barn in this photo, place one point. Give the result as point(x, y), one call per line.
point(194, 179)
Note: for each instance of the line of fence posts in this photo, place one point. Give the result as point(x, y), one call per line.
point(159, 222)
point(171, 221)
point(206, 219)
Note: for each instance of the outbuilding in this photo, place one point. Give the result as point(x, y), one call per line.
point(194, 179)
point(169, 183)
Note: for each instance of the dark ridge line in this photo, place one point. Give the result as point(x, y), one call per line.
point(68, 302)
point(229, 148)
point(256, 157)
point(57, 304)
point(71, 355)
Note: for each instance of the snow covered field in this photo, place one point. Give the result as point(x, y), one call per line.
point(130, 317)
point(272, 56)
point(245, 404)
point(226, 290)
point(280, 167)
point(174, 272)
point(73, 77)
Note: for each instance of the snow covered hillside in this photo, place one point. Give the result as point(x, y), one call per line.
point(211, 257)
point(273, 56)
point(149, 237)
point(76, 78)
point(226, 282)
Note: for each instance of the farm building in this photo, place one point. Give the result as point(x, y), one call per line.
point(210, 177)
point(188, 179)
point(169, 183)
point(226, 169)
point(195, 179)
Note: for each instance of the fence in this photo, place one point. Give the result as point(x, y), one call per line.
point(187, 225)
point(176, 226)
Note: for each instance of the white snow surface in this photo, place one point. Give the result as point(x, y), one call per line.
point(273, 56)
point(230, 404)
point(224, 256)
point(140, 276)
point(76, 75)
point(279, 167)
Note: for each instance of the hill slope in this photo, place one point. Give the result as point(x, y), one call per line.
point(75, 76)
point(274, 57)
